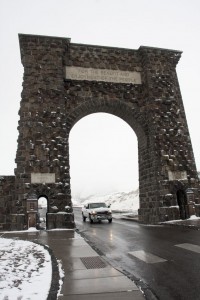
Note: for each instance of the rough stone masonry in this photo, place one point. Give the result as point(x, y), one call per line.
point(63, 82)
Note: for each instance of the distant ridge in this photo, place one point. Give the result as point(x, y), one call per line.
point(120, 201)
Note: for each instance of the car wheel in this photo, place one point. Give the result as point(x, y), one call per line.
point(84, 218)
point(110, 220)
point(91, 221)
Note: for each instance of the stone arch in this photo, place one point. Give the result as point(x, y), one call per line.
point(130, 114)
point(182, 203)
point(117, 111)
point(47, 200)
point(126, 112)
point(179, 198)
point(64, 82)
point(42, 212)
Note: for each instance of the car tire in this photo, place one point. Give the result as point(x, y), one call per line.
point(84, 218)
point(110, 220)
point(91, 221)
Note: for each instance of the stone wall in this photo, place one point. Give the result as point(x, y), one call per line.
point(7, 189)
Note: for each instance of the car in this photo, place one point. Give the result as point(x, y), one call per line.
point(96, 211)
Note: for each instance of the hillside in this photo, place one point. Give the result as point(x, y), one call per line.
point(124, 202)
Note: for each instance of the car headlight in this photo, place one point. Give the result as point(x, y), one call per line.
point(93, 212)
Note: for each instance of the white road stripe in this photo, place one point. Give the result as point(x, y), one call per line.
point(190, 247)
point(147, 257)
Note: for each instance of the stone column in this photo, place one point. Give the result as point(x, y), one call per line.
point(169, 150)
point(43, 138)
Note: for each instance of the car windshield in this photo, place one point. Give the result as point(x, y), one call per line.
point(97, 205)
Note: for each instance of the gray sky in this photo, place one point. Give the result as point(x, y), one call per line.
point(171, 24)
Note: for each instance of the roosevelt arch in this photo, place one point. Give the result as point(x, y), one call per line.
point(62, 83)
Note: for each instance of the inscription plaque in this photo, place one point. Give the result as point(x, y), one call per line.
point(90, 74)
point(43, 178)
point(178, 175)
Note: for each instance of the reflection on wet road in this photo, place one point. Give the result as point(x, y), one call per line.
point(171, 270)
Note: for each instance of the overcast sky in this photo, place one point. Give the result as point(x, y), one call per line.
point(103, 148)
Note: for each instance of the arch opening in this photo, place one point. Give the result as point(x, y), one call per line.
point(42, 212)
point(182, 203)
point(103, 158)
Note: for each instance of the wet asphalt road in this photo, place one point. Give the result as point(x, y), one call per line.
point(176, 278)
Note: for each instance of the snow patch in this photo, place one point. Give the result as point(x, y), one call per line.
point(25, 268)
point(62, 275)
point(193, 217)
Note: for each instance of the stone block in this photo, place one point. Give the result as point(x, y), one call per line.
point(60, 220)
point(2, 218)
point(197, 210)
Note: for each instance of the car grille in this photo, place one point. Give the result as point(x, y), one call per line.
point(102, 213)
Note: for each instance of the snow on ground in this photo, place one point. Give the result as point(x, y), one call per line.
point(25, 270)
point(191, 218)
point(62, 275)
point(122, 202)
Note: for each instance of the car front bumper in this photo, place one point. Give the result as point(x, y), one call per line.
point(96, 217)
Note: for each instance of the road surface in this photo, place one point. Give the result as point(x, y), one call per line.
point(166, 259)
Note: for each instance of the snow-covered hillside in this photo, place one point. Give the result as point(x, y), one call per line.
point(124, 202)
